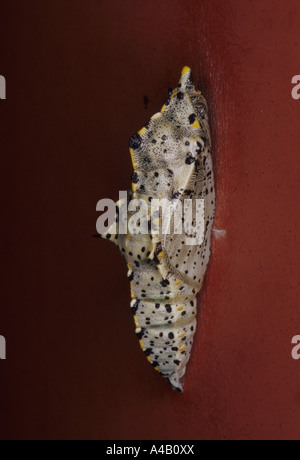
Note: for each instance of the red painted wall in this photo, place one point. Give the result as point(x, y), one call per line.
point(77, 73)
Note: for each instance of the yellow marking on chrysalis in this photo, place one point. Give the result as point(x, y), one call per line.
point(182, 348)
point(196, 124)
point(178, 283)
point(161, 255)
point(185, 70)
point(141, 344)
point(136, 323)
point(156, 369)
point(174, 94)
point(133, 187)
point(131, 291)
point(149, 359)
point(163, 108)
point(181, 335)
point(132, 159)
point(179, 308)
point(142, 131)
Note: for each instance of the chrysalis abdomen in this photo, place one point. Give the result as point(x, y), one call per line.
point(172, 161)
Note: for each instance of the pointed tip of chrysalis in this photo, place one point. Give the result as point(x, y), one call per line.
point(176, 382)
point(185, 70)
point(186, 80)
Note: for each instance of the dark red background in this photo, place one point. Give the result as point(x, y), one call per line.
point(77, 73)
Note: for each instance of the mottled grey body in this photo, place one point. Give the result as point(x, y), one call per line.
point(172, 160)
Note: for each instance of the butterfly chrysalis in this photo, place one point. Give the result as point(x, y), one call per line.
point(171, 158)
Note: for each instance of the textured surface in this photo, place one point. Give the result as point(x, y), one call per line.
point(82, 76)
point(171, 158)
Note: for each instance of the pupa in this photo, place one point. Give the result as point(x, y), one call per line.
point(172, 161)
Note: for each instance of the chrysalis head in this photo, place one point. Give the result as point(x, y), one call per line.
point(186, 81)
